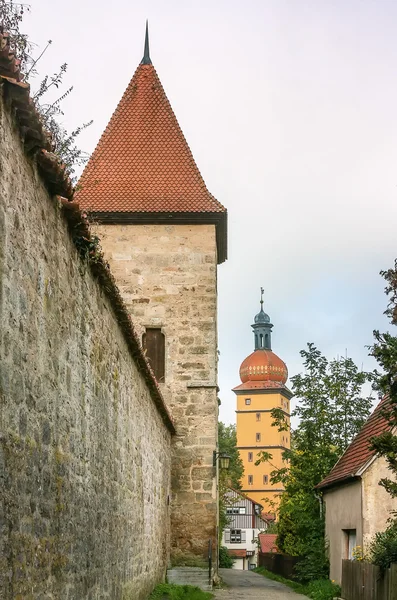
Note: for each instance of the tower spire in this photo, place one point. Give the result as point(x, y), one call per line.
point(146, 55)
point(262, 328)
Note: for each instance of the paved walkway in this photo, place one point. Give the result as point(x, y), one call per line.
point(246, 585)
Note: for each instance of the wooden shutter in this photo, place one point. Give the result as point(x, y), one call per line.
point(243, 534)
point(153, 342)
point(227, 536)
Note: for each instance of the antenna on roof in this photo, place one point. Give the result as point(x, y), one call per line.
point(146, 56)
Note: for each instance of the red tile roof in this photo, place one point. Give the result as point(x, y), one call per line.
point(268, 542)
point(358, 453)
point(266, 516)
point(142, 162)
point(237, 553)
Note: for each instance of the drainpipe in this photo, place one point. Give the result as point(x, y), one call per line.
point(320, 501)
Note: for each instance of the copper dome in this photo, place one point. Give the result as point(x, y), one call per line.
point(263, 365)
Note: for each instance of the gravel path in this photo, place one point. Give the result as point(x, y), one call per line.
point(246, 585)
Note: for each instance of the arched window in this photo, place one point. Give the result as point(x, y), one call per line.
point(261, 340)
point(153, 342)
point(266, 339)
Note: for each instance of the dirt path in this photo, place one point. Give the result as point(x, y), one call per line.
point(246, 585)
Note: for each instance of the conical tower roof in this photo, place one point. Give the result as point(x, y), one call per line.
point(143, 166)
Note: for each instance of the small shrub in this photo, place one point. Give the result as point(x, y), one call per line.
point(383, 550)
point(322, 589)
point(314, 565)
point(171, 591)
point(225, 560)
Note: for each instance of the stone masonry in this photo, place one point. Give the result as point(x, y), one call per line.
point(167, 276)
point(84, 451)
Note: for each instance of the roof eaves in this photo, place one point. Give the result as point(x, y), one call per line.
point(344, 480)
point(219, 219)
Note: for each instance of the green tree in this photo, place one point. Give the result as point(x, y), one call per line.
point(385, 352)
point(383, 550)
point(227, 442)
point(331, 408)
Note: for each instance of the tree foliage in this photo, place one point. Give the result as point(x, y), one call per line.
point(385, 352)
point(50, 112)
point(383, 550)
point(331, 408)
point(227, 442)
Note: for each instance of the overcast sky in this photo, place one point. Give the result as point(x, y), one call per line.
point(290, 109)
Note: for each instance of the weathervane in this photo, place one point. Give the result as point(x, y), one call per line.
point(262, 291)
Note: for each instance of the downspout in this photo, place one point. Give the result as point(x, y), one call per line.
point(320, 501)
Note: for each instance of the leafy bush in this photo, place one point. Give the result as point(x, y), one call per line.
point(383, 550)
point(322, 589)
point(314, 564)
point(225, 560)
point(179, 592)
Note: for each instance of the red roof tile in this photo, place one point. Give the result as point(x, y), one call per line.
point(358, 453)
point(142, 162)
point(268, 542)
point(237, 553)
point(266, 516)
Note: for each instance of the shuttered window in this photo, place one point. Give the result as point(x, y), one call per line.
point(153, 342)
point(236, 536)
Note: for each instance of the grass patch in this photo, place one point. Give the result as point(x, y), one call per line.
point(321, 589)
point(297, 587)
point(171, 591)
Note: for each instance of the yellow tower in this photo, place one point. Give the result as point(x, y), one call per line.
point(263, 375)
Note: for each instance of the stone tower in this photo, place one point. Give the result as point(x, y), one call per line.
point(263, 375)
point(164, 234)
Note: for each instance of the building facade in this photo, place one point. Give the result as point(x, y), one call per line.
point(263, 377)
point(244, 524)
point(164, 234)
point(356, 506)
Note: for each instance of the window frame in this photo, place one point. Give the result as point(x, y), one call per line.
point(237, 534)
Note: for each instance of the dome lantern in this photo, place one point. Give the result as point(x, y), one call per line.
point(262, 329)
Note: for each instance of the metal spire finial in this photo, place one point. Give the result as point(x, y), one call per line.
point(146, 56)
point(262, 291)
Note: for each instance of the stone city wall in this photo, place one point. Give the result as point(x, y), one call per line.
point(167, 275)
point(84, 448)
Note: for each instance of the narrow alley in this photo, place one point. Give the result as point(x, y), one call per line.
point(246, 585)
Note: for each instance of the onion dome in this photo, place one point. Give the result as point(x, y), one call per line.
point(261, 317)
point(263, 365)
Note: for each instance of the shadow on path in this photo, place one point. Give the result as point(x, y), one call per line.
point(246, 585)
